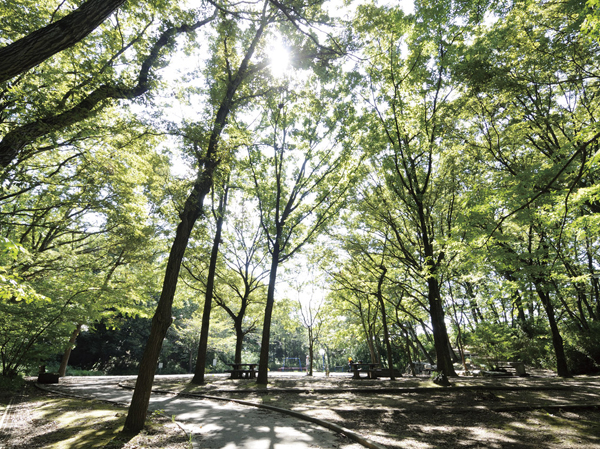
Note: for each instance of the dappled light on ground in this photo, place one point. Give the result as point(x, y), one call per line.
point(413, 413)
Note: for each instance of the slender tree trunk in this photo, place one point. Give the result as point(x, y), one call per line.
point(440, 333)
point(65, 358)
point(162, 317)
point(263, 364)
point(411, 364)
point(557, 342)
point(192, 210)
point(38, 46)
point(386, 334)
point(311, 354)
point(475, 311)
point(210, 283)
point(239, 341)
point(415, 337)
point(372, 348)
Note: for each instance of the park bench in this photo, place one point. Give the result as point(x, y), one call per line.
point(507, 369)
point(242, 370)
point(369, 368)
point(47, 378)
point(385, 372)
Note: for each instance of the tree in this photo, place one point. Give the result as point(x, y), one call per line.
point(300, 187)
point(41, 44)
point(535, 126)
point(219, 216)
point(77, 100)
point(87, 244)
point(309, 308)
point(413, 113)
point(194, 205)
point(241, 284)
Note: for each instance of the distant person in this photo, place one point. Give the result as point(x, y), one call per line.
point(349, 364)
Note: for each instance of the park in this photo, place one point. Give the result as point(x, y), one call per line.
point(381, 215)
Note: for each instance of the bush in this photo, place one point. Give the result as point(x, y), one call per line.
point(12, 383)
point(582, 349)
point(579, 362)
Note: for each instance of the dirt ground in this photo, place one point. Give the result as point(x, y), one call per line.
point(32, 419)
point(540, 411)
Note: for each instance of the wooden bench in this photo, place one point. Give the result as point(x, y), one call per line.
point(507, 369)
point(239, 372)
point(385, 372)
point(357, 368)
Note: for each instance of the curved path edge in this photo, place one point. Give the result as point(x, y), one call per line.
point(328, 425)
point(43, 387)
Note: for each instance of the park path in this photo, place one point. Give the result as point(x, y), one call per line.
point(215, 424)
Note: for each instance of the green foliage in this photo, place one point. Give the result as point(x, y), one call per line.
point(11, 383)
point(492, 344)
point(452, 159)
point(582, 350)
point(12, 287)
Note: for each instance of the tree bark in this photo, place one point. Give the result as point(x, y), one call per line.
point(162, 317)
point(557, 342)
point(208, 296)
point(311, 352)
point(67, 354)
point(239, 341)
point(440, 333)
point(386, 334)
point(38, 46)
point(263, 364)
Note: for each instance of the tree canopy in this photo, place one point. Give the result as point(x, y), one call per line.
point(434, 169)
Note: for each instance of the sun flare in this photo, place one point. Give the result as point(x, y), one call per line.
point(279, 57)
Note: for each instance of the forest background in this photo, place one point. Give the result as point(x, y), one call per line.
point(276, 179)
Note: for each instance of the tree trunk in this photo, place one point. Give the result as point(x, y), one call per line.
point(210, 283)
point(557, 342)
point(38, 46)
point(162, 317)
point(311, 354)
point(65, 358)
point(193, 208)
point(386, 334)
point(411, 364)
point(263, 364)
point(440, 333)
point(415, 338)
point(239, 341)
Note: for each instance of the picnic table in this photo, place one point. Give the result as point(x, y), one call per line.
point(242, 370)
point(358, 367)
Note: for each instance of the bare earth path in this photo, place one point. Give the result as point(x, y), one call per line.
point(214, 424)
point(540, 411)
point(534, 412)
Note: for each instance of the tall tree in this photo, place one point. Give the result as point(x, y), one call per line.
point(300, 187)
point(413, 114)
point(219, 215)
point(535, 126)
point(229, 99)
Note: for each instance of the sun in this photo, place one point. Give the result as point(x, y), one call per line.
point(279, 57)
